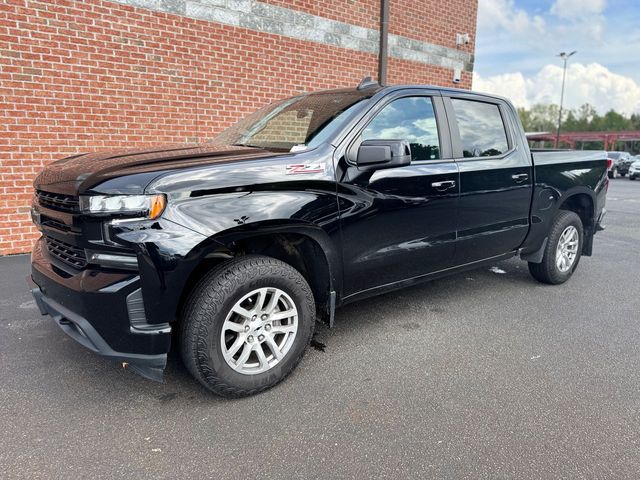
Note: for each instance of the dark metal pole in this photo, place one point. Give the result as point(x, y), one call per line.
point(564, 74)
point(565, 57)
point(384, 42)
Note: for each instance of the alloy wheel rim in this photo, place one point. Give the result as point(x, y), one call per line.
point(259, 330)
point(567, 249)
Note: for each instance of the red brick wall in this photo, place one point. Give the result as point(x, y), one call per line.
point(434, 21)
point(89, 75)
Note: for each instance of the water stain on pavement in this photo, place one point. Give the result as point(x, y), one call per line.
point(167, 397)
point(410, 326)
point(318, 345)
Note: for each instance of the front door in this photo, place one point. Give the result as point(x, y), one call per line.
point(399, 223)
point(496, 179)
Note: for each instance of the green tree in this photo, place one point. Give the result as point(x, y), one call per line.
point(571, 123)
point(544, 118)
point(525, 118)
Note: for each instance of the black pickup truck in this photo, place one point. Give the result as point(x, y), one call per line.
point(234, 248)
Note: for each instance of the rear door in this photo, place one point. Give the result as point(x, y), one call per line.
point(496, 178)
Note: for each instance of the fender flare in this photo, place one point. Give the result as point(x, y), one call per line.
point(226, 239)
point(573, 192)
point(533, 249)
point(590, 228)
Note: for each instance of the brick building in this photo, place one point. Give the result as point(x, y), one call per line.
point(77, 76)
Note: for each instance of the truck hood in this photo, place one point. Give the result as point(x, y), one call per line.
point(78, 173)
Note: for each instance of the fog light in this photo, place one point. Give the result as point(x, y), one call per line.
point(113, 260)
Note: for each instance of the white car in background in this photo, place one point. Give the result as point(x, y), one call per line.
point(634, 168)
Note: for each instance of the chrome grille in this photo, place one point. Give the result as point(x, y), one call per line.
point(66, 253)
point(58, 201)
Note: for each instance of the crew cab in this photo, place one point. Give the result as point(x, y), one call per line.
point(231, 250)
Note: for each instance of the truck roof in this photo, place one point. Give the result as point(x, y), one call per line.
point(375, 88)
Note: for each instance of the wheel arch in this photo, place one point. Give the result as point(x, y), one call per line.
point(580, 200)
point(307, 248)
point(583, 203)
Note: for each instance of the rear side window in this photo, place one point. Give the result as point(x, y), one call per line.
point(481, 128)
point(412, 119)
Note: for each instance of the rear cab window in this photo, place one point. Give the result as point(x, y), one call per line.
point(482, 129)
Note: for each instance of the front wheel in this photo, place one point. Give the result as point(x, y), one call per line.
point(632, 177)
point(563, 250)
point(246, 325)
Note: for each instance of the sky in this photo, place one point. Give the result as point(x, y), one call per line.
point(517, 43)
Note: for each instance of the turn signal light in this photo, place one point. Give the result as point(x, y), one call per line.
point(158, 202)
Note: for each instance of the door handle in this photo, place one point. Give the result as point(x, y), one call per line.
point(520, 177)
point(444, 185)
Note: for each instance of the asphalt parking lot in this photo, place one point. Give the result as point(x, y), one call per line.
point(485, 374)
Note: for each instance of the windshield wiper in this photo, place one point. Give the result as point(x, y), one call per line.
point(246, 145)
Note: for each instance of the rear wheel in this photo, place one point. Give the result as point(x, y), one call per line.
point(246, 325)
point(563, 250)
point(613, 173)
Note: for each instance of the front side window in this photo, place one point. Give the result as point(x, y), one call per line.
point(481, 128)
point(412, 119)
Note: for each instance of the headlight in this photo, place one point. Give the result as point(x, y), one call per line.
point(147, 206)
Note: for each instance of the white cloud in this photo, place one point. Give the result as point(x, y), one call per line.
point(577, 8)
point(593, 83)
point(510, 85)
point(503, 15)
point(504, 29)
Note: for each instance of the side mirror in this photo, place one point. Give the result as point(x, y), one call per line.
point(378, 154)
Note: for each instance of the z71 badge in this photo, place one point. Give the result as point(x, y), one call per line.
point(300, 168)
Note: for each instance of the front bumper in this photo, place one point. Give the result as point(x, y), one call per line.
point(91, 307)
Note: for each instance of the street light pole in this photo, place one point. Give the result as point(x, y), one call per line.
point(565, 57)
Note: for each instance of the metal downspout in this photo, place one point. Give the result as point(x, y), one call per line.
point(384, 42)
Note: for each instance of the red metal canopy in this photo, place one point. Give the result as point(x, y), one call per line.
point(608, 139)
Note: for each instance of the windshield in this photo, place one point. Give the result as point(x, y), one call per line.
point(294, 124)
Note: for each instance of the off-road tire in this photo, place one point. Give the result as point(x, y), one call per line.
point(547, 271)
point(207, 306)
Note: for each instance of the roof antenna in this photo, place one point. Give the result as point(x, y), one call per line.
point(366, 83)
